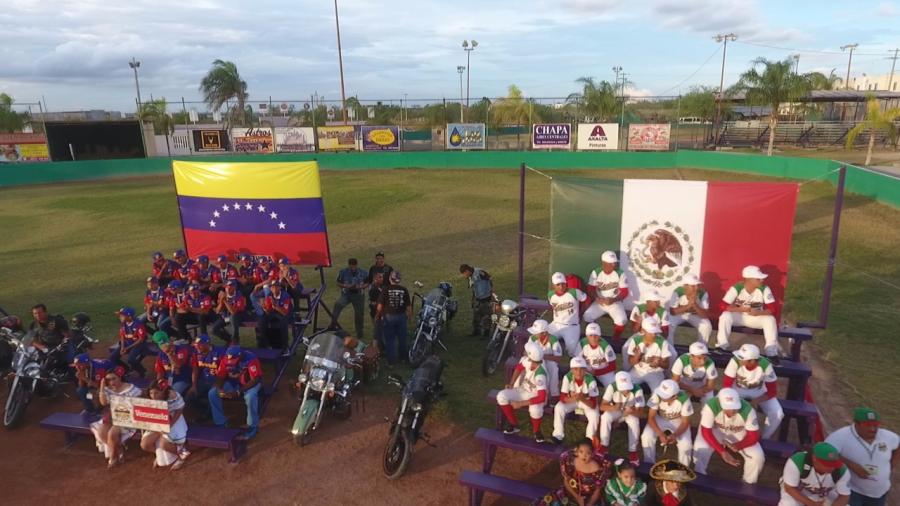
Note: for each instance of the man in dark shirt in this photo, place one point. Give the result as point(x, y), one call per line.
point(375, 290)
point(482, 297)
point(48, 330)
point(379, 266)
point(352, 282)
point(394, 310)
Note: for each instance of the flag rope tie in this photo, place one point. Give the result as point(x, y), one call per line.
point(539, 172)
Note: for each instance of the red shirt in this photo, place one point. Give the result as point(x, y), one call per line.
point(238, 302)
point(132, 332)
point(283, 300)
point(243, 369)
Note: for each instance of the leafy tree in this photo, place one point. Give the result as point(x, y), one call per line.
point(772, 83)
point(10, 120)
point(596, 101)
point(512, 110)
point(876, 120)
point(221, 84)
point(479, 111)
point(700, 102)
point(819, 81)
point(155, 112)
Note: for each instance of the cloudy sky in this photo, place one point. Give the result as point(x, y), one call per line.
point(75, 52)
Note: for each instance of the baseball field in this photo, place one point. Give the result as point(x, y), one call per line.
point(86, 247)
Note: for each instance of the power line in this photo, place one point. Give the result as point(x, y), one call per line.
point(688, 78)
point(813, 51)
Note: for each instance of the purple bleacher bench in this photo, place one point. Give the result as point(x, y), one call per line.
point(202, 436)
point(479, 483)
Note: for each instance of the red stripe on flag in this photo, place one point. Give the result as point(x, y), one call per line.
point(747, 224)
point(303, 249)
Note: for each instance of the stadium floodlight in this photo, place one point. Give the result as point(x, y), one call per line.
point(721, 38)
point(468, 47)
point(134, 64)
point(460, 69)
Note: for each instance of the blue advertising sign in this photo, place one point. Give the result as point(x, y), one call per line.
point(380, 138)
point(551, 135)
point(465, 136)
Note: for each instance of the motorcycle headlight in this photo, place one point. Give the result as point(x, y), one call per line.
point(318, 384)
point(416, 406)
point(302, 378)
point(494, 318)
point(504, 320)
point(513, 324)
point(432, 321)
point(33, 370)
point(329, 387)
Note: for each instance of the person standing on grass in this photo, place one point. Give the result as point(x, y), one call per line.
point(375, 291)
point(871, 453)
point(482, 296)
point(379, 266)
point(353, 284)
point(394, 310)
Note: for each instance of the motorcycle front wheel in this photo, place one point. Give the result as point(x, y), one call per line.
point(15, 404)
point(418, 352)
point(397, 455)
point(301, 430)
point(491, 359)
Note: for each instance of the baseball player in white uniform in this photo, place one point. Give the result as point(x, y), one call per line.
point(651, 308)
point(669, 422)
point(527, 388)
point(622, 401)
point(648, 354)
point(552, 351)
point(566, 304)
point(599, 355)
point(579, 392)
point(611, 289)
point(728, 425)
point(754, 379)
point(690, 303)
point(696, 373)
point(749, 303)
point(815, 477)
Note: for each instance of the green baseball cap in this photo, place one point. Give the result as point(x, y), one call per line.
point(160, 338)
point(865, 415)
point(826, 453)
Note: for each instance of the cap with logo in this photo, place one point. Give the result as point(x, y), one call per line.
point(592, 329)
point(558, 278)
point(667, 389)
point(157, 255)
point(609, 257)
point(624, 382)
point(127, 311)
point(203, 259)
point(81, 358)
point(160, 338)
point(653, 295)
point(539, 326)
point(698, 348)
point(233, 351)
point(650, 325)
point(864, 415)
point(747, 351)
point(534, 352)
point(577, 362)
point(729, 398)
point(201, 339)
point(284, 261)
point(221, 258)
point(827, 454)
point(193, 287)
point(691, 279)
point(231, 282)
point(175, 285)
point(152, 279)
point(179, 253)
point(753, 272)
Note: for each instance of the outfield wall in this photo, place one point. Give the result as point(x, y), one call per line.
point(861, 181)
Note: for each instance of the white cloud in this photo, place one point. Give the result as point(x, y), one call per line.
point(743, 17)
point(887, 9)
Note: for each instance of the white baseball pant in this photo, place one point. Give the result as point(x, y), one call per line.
point(706, 397)
point(770, 407)
point(652, 377)
point(608, 418)
point(649, 440)
point(754, 458)
point(552, 369)
point(570, 335)
point(765, 322)
point(509, 395)
point(787, 500)
point(616, 311)
point(703, 326)
point(564, 408)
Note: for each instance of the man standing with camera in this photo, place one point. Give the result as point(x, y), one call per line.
point(352, 282)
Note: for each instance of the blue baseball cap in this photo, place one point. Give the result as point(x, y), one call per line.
point(233, 351)
point(127, 311)
point(157, 255)
point(175, 285)
point(284, 261)
point(153, 279)
point(231, 282)
point(221, 258)
point(81, 358)
point(179, 253)
point(193, 286)
point(201, 339)
point(203, 259)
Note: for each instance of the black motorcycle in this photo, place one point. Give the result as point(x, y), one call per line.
point(438, 308)
point(503, 323)
point(422, 390)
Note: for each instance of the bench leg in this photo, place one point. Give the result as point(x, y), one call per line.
point(796, 344)
point(490, 452)
point(238, 448)
point(70, 438)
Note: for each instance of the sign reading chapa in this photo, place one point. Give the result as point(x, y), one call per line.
point(551, 136)
point(598, 136)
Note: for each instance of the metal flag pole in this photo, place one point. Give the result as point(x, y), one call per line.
point(522, 229)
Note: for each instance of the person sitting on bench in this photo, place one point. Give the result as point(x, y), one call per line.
point(668, 422)
point(622, 401)
point(690, 304)
point(599, 355)
point(111, 439)
point(527, 388)
point(89, 374)
point(584, 476)
point(625, 488)
point(195, 308)
point(204, 366)
point(239, 375)
point(749, 303)
point(610, 289)
point(168, 447)
point(728, 426)
point(277, 311)
point(173, 363)
point(652, 308)
point(579, 392)
point(132, 341)
point(540, 335)
point(230, 310)
point(815, 477)
point(289, 279)
point(649, 354)
point(754, 379)
point(696, 373)
point(154, 304)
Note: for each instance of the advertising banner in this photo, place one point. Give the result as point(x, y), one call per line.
point(210, 140)
point(551, 136)
point(139, 413)
point(336, 138)
point(23, 147)
point(381, 138)
point(598, 136)
point(465, 136)
point(649, 137)
point(253, 140)
point(295, 140)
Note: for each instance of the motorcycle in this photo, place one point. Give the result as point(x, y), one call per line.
point(423, 389)
point(10, 328)
point(503, 323)
point(325, 383)
point(438, 308)
point(35, 371)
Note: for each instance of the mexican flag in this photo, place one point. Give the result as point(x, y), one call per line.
point(664, 229)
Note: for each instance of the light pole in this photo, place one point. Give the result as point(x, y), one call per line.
point(460, 69)
point(893, 65)
point(724, 38)
point(851, 47)
point(468, 47)
point(796, 58)
point(622, 118)
point(134, 64)
point(337, 26)
point(617, 69)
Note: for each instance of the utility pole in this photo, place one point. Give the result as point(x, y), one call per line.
point(622, 118)
point(851, 47)
point(468, 47)
point(134, 64)
point(460, 69)
point(337, 26)
point(724, 38)
point(893, 65)
point(617, 69)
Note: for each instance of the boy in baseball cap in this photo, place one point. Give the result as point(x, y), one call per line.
point(622, 401)
point(549, 344)
point(527, 388)
point(728, 426)
point(690, 303)
point(599, 355)
point(651, 308)
point(579, 392)
point(669, 422)
point(566, 304)
point(696, 373)
point(754, 379)
point(749, 303)
point(132, 341)
point(649, 354)
point(611, 289)
point(815, 477)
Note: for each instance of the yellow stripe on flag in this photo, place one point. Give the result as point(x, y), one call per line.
point(275, 180)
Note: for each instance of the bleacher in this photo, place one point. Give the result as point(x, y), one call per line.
point(808, 134)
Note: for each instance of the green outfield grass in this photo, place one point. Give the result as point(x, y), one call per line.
point(86, 247)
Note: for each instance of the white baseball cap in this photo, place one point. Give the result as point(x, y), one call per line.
point(692, 279)
point(666, 389)
point(653, 295)
point(753, 272)
point(577, 362)
point(534, 352)
point(650, 325)
point(624, 382)
point(538, 327)
point(729, 398)
point(609, 257)
point(698, 348)
point(592, 329)
point(558, 278)
point(747, 351)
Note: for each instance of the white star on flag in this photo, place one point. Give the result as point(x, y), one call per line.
point(215, 214)
point(237, 207)
point(274, 215)
point(262, 209)
point(212, 223)
point(248, 206)
point(281, 226)
point(225, 207)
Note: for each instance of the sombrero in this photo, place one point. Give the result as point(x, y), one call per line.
point(671, 470)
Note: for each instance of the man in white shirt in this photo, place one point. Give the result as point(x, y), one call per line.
point(871, 453)
point(566, 305)
point(754, 379)
point(649, 355)
point(690, 303)
point(696, 373)
point(728, 426)
point(527, 388)
point(540, 335)
point(816, 477)
point(749, 303)
point(611, 289)
point(622, 401)
point(599, 355)
point(579, 392)
point(668, 422)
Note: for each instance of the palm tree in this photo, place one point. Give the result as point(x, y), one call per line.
point(777, 83)
point(876, 119)
point(512, 110)
point(155, 112)
point(221, 84)
point(10, 120)
point(819, 81)
point(597, 100)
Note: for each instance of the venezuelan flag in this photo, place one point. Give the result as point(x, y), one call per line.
point(263, 208)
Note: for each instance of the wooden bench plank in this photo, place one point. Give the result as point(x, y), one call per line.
point(480, 482)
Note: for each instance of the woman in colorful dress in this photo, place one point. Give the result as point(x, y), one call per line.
point(625, 488)
point(110, 438)
point(584, 478)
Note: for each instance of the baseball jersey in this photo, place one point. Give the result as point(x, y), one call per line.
point(178, 301)
point(99, 368)
point(156, 299)
point(293, 276)
point(658, 348)
point(531, 381)
point(680, 298)
point(814, 486)
point(639, 312)
point(755, 380)
point(874, 457)
point(734, 428)
point(587, 386)
point(739, 296)
point(633, 398)
point(608, 285)
point(207, 363)
point(261, 274)
point(228, 272)
point(165, 269)
point(166, 368)
point(238, 303)
point(244, 369)
point(696, 376)
point(675, 409)
point(183, 271)
point(201, 302)
point(566, 306)
point(551, 347)
point(601, 360)
point(283, 300)
point(132, 332)
point(204, 275)
point(247, 271)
